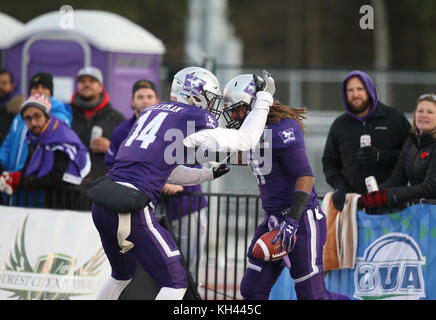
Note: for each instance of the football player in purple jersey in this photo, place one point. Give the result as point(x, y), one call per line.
point(152, 154)
point(286, 185)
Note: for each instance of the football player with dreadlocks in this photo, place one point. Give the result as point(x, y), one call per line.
point(288, 197)
point(151, 155)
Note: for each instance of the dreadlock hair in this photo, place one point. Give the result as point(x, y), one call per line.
point(279, 111)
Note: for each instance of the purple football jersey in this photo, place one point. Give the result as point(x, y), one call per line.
point(278, 161)
point(154, 146)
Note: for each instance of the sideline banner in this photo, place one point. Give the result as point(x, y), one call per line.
point(395, 255)
point(49, 254)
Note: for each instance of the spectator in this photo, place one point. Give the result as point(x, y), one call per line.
point(92, 110)
point(414, 176)
point(144, 94)
point(188, 218)
point(56, 155)
point(10, 102)
point(345, 163)
point(14, 151)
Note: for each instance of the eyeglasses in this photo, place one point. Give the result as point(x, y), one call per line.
point(427, 96)
point(36, 116)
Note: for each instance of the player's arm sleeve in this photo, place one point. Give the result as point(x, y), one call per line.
point(186, 176)
point(203, 156)
point(246, 138)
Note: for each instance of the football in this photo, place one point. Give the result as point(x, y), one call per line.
point(265, 250)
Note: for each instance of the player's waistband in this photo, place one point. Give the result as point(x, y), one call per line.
point(281, 213)
point(129, 185)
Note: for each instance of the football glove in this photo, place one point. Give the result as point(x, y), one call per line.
point(259, 83)
point(269, 82)
point(264, 83)
point(287, 232)
point(222, 169)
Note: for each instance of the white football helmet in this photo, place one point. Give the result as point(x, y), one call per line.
point(238, 92)
point(199, 87)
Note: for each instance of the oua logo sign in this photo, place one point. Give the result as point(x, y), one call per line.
point(391, 268)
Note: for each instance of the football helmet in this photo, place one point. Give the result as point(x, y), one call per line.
point(238, 93)
point(199, 87)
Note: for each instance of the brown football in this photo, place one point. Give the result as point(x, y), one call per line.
point(265, 250)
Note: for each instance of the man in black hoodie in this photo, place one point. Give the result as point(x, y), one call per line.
point(92, 110)
point(345, 163)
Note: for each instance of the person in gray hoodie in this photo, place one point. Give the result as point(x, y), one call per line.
point(345, 163)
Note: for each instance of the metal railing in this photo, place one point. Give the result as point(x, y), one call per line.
point(231, 222)
point(71, 198)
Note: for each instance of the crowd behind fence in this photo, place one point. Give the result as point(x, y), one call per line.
point(232, 220)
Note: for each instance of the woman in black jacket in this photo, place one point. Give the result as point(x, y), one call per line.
point(414, 176)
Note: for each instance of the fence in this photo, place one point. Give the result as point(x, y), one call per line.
point(318, 89)
point(232, 220)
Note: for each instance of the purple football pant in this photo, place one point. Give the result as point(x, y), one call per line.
point(153, 247)
point(306, 262)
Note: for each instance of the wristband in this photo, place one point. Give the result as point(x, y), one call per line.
point(299, 203)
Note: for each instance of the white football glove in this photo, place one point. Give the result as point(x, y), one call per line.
point(269, 82)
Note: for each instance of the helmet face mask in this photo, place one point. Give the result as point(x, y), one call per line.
point(199, 87)
point(236, 114)
point(239, 92)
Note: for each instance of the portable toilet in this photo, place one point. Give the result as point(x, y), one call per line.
point(121, 49)
point(9, 27)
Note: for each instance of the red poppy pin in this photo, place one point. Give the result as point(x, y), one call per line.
point(424, 155)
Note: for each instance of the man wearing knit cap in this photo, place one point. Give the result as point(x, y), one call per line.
point(92, 110)
point(144, 94)
point(56, 154)
point(13, 151)
point(345, 163)
point(35, 111)
point(42, 79)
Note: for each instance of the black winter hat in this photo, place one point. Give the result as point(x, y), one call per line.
point(143, 84)
point(44, 78)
